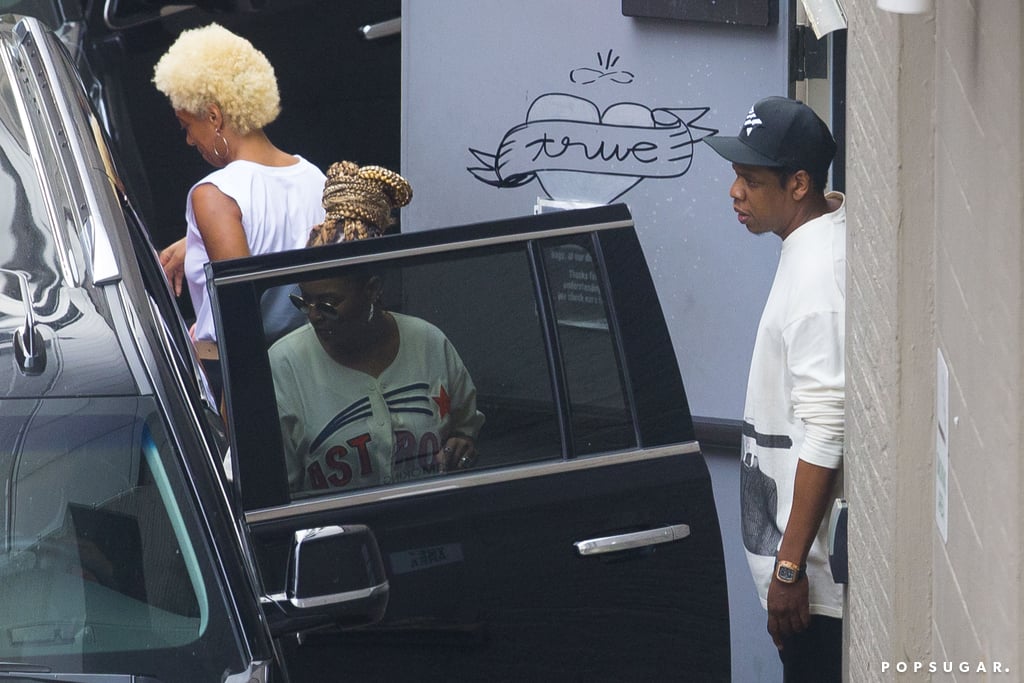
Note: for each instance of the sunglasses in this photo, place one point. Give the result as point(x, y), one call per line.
point(326, 310)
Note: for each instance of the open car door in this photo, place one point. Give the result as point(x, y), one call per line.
point(581, 541)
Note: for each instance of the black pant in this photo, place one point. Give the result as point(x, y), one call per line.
point(814, 655)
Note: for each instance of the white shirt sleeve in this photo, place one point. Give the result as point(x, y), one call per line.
point(815, 357)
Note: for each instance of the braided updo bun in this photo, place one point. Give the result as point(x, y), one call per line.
point(359, 202)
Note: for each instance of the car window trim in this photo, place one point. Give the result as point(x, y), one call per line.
point(397, 254)
point(342, 501)
point(602, 267)
point(552, 347)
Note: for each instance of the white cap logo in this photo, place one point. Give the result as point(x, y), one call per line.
point(751, 122)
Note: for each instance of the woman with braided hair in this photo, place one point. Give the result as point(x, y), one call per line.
point(359, 202)
point(260, 199)
point(367, 396)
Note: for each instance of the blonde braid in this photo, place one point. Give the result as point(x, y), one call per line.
point(359, 201)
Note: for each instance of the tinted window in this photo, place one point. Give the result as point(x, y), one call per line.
point(97, 554)
point(600, 418)
point(476, 358)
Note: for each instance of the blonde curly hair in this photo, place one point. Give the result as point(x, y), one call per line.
point(359, 202)
point(212, 65)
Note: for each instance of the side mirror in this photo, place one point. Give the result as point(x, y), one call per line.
point(335, 577)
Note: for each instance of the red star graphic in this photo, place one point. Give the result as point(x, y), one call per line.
point(444, 402)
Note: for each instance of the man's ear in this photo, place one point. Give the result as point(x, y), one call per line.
point(799, 185)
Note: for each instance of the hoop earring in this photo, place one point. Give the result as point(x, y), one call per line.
point(227, 148)
point(369, 318)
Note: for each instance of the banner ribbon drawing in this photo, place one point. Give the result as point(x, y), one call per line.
point(664, 150)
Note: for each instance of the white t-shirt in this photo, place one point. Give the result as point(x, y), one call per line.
point(795, 399)
point(345, 429)
point(279, 205)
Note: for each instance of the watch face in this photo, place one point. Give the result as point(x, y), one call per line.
point(786, 574)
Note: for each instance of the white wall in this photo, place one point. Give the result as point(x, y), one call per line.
point(472, 70)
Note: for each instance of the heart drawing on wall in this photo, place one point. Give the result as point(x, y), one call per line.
point(577, 152)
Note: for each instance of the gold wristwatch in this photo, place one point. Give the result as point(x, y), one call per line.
point(789, 572)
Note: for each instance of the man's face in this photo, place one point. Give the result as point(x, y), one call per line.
point(761, 203)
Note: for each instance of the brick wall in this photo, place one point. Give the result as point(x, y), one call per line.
point(976, 598)
point(934, 181)
point(872, 318)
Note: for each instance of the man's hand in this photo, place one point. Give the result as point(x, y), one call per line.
point(788, 609)
point(789, 603)
point(173, 261)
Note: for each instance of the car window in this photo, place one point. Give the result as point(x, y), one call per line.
point(477, 358)
point(97, 555)
point(601, 420)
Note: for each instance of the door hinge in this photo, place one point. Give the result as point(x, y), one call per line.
point(808, 56)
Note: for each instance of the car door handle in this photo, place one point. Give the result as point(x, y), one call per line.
point(637, 539)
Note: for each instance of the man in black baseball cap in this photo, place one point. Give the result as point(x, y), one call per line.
point(782, 136)
point(793, 417)
point(780, 133)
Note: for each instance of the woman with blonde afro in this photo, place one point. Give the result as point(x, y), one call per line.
point(259, 199)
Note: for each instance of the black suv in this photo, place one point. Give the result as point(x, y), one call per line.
point(583, 543)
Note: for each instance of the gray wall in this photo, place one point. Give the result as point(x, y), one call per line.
point(936, 262)
point(472, 69)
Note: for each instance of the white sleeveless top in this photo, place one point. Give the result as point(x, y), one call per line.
point(279, 205)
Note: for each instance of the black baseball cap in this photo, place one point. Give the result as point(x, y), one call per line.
point(781, 133)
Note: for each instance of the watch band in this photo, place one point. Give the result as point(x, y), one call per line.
point(789, 572)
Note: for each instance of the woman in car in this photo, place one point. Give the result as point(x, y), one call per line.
point(259, 199)
point(367, 396)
